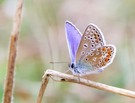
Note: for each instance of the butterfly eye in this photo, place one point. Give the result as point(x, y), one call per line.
point(72, 65)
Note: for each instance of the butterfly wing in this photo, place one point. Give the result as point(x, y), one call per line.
point(73, 37)
point(98, 59)
point(91, 39)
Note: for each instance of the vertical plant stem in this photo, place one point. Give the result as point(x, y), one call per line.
point(9, 83)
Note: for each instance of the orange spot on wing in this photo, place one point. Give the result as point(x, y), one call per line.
point(95, 35)
point(104, 49)
point(99, 49)
point(96, 41)
point(109, 50)
point(103, 63)
point(106, 59)
point(108, 55)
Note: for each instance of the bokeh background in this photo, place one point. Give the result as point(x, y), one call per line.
point(42, 40)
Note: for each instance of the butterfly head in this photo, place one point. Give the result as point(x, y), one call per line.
point(73, 68)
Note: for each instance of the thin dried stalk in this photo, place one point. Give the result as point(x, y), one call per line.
point(70, 78)
point(45, 81)
point(8, 90)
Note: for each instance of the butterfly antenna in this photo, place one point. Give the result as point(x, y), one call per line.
point(58, 62)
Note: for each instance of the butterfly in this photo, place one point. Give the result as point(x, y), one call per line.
point(88, 52)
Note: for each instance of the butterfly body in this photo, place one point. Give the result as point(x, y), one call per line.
point(88, 52)
point(79, 68)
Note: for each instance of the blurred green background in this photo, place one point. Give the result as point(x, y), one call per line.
point(42, 40)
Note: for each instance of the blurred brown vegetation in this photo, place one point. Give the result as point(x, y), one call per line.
point(42, 40)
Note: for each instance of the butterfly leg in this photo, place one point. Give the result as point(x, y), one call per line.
point(85, 76)
point(78, 77)
point(67, 71)
point(54, 79)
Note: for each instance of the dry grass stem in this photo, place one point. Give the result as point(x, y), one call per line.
point(8, 89)
point(70, 78)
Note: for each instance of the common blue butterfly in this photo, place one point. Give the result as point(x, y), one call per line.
point(88, 52)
